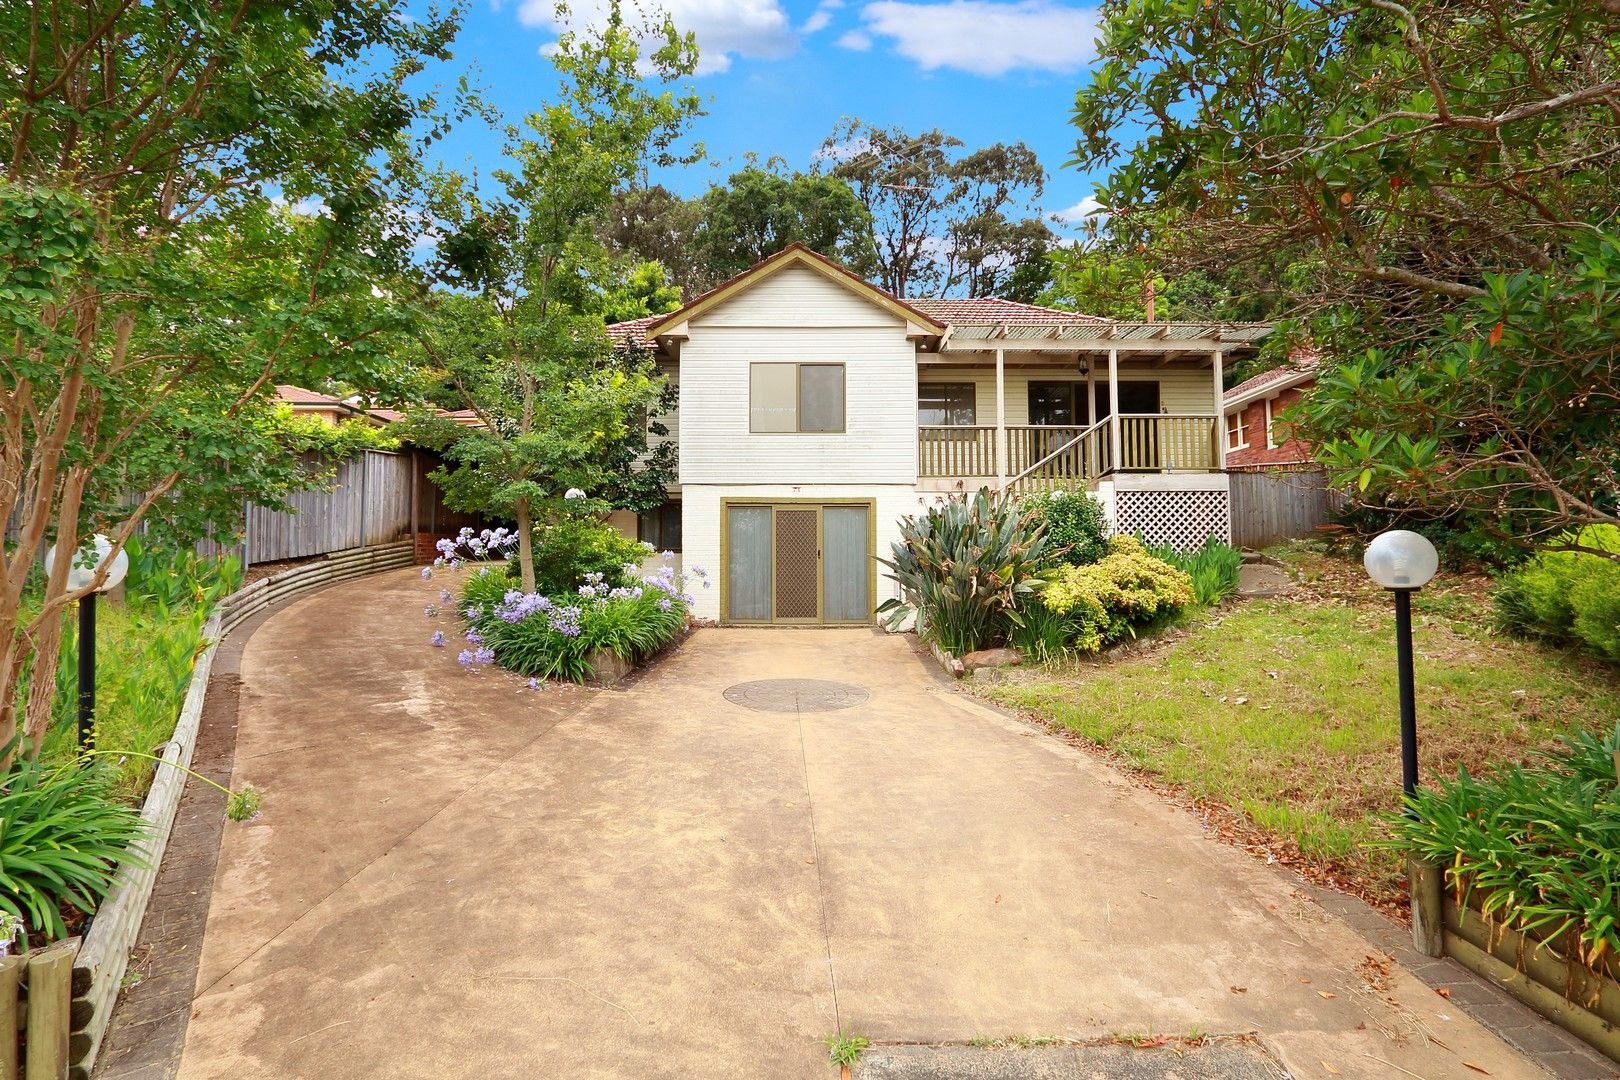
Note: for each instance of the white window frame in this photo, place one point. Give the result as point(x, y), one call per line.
point(1271, 440)
point(1242, 431)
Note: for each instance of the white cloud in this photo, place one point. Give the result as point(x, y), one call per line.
point(985, 37)
point(1077, 214)
point(724, 28)
point(821, 17)
point(859, 40)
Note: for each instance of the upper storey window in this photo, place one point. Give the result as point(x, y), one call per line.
point(789, 398)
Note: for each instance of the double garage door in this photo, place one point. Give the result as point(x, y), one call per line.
point(795, 562)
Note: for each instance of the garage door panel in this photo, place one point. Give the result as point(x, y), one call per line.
point(846, 560)
point(748, 563)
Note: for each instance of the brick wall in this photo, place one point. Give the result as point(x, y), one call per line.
point(1254, 429)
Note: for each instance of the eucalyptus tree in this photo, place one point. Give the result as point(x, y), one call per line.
point(198, 201)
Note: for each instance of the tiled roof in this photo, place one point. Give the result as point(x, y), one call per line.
point(297, 395)
point(992, 309)
point(979, 311)
point(1301, 365)
point(624, 333)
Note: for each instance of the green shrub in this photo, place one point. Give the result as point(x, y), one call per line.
point(63, 833)
point(1532, 847)
point(1568, 596)
point(565, 552)
point(962, 569)
point(1213, 568)
point(1076, 525)
point(1112, 599)
point(1041, 633)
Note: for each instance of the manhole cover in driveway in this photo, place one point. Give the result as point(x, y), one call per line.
point(796, 695)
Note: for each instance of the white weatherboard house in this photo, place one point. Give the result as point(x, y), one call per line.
point(817, 411)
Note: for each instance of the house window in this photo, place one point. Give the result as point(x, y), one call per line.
point(660, 526)
point(785, 398)
point(1235, 439)
point(1271, 436)
point(945, 405)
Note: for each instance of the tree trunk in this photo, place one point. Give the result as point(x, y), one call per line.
point(525, 545)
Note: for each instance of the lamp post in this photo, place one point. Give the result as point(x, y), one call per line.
point(1403, 562)
point(86, 562)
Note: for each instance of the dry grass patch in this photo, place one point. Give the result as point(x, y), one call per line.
point(1285, 711)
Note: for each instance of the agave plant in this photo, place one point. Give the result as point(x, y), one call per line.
point(962, 568)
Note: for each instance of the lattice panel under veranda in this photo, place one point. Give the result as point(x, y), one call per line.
point(1181, 519)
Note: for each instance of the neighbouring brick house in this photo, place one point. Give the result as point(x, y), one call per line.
point(1256, 436)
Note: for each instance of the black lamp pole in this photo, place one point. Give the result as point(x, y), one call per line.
point(1403, 655)
point(87, 670)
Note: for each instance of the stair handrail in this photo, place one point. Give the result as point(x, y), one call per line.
point(1060, 450)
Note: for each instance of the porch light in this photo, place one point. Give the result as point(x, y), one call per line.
point(81, 572)
point(1403, 562)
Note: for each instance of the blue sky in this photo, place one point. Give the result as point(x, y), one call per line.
point(780, 73)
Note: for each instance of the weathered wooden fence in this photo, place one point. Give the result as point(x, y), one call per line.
point(1278, 504)
point(368, 501)
point(36, 993)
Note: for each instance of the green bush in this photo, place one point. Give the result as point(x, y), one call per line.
point(963, 568)
point(63, 833)
point(1567, 596)
point(567, 551)
point(1213, 568)
point(1532, 847)
point(1076, 525)
point(1114, 598)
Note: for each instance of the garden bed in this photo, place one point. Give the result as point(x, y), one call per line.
point(1277, 717)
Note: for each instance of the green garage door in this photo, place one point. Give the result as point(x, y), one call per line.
point(798, 562)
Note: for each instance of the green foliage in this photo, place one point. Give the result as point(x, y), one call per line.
point(1532, 847)
point(645, 290)
point(762, 209)
point(1110, 600)
point(567, 550)
point(63, 833)
point(330, 443)
point(1382, 175)
point(963, 568)
point(200, 202)
point(1568, 596)
point(1213, 568)
point(1076, 525)
point(518, 332)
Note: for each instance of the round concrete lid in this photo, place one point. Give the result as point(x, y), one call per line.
point(796, 695)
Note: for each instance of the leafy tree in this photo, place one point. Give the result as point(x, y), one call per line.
point(657, 225)
point(519, 338)
point(1443, 172)
point(645, 290)
point(198, 202)
point(762, 209)
point(942, 222)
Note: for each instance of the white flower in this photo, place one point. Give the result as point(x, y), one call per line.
point(573, 493)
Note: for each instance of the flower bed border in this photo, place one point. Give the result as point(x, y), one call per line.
point(103, 956)
point(1521, 965)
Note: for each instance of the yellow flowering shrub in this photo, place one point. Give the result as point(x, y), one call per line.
point(1106, 601)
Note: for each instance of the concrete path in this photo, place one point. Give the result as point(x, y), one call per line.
point(458, 877)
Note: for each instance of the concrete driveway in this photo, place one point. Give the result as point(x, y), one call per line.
point(458, 877)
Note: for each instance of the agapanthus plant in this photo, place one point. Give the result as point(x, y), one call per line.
point(547, 637)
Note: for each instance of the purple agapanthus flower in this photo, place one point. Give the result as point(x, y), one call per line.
point(534, 684)
point(484, 655)
point(431, 611)
point(437, 639)
point(474, 637)
point(464, 657)
point(427, 572)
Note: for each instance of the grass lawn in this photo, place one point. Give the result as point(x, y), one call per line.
point(1285, 711)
